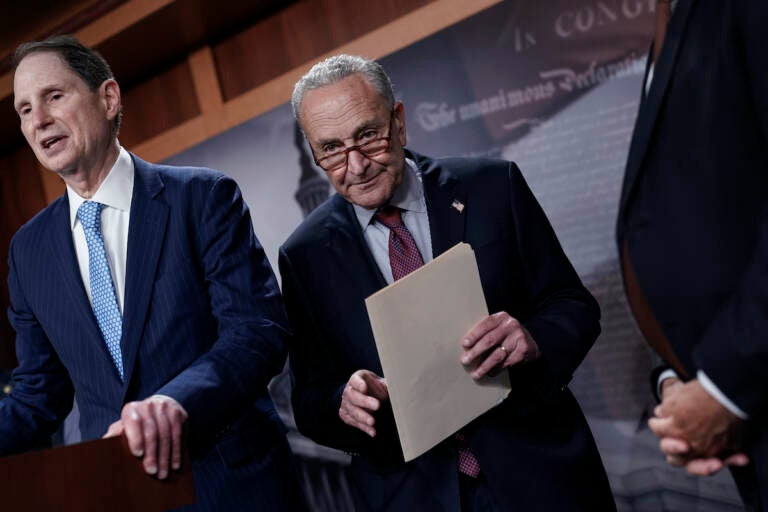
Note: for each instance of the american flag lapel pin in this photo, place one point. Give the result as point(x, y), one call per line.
point(458, 205)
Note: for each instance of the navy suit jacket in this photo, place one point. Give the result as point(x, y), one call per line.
point(203, 324)
point(694, 207)
point(535, 448)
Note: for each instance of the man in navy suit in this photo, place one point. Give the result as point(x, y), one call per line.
point(693, 234)
point(534, 451)
point(144, 291)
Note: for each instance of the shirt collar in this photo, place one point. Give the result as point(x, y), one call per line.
point(409, 196)
point(112, 192)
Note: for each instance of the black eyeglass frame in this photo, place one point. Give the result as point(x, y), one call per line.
point(357, 147)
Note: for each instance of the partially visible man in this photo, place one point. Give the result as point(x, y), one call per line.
point(693, 235)
point(394, 210)
point(144, 291)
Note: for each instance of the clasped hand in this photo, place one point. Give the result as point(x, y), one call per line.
point(695, 430)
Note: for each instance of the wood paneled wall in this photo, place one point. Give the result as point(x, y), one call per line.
point(157, 105)
point(296, 36)
point(221, 85)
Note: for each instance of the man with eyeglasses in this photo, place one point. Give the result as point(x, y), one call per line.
point(395, 210)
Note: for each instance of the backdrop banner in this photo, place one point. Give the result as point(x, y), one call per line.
point(554, 86)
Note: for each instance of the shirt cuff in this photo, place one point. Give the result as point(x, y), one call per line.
point(666, 374)
point(718, 395)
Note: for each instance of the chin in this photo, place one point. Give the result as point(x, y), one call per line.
point(371, 202)
point(60, 166)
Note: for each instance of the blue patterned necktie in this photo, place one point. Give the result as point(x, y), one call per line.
point(102, 288)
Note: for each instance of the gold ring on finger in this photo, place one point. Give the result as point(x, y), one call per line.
point(501, 347)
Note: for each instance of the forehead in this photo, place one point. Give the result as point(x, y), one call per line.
point(42, 70)
point(337, 110)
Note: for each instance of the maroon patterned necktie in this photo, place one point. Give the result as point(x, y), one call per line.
point(404, 258)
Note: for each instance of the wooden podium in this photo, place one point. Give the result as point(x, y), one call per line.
point(94, 476)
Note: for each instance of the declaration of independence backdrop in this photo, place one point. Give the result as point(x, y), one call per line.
point(555, 87)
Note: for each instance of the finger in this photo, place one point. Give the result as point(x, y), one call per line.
point(354, 412)
point(665, 408)
point(163, 437)
point(150, 432)
point(737, 459)
point(673, 446)
point(134, 430)
point(494, 359)
point(664, 427)
point(376, 386)
point(357, 381)
point(177, 433)
point(115, 429)
point(482, 328)
point(506, 329)
point(358, 418)
point(378, 389)
point(704, 467)
point(357, 399)
point(521, 349)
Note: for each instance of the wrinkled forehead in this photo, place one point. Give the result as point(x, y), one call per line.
point(346, 105)
point(42, 69)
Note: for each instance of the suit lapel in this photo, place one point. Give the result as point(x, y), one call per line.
point(146, 232)
point(73, 292)
point(347, 244)
point(649, 111)
point(348, 251)
point(446, 204)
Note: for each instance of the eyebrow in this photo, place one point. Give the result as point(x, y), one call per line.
point(45, 92)
point(355, 133)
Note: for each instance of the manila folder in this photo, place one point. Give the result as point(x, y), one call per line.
point(419, 322)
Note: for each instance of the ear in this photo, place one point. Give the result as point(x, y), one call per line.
point(110, 96)
point(400, 122)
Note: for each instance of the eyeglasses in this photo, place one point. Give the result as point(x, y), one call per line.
point(369, 148)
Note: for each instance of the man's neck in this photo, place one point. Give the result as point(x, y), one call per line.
point(87, 181)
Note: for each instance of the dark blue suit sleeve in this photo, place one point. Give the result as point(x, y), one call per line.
point(245, 301)
point(563, 317)
point(734, 349)
point(317, 386)
point(42, 394)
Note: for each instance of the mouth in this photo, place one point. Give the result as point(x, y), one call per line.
point(49, 142)
point(366, 182)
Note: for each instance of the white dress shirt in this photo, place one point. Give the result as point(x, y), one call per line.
point(115, 194)
point(409, 197)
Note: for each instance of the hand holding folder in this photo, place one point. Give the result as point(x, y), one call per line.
point(419, 322)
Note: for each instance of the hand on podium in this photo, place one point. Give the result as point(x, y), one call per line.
point(153, 428)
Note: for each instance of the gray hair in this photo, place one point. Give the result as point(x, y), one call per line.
point(336, 68)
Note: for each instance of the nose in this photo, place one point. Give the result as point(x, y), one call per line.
point(357, 163)
point(40, 117)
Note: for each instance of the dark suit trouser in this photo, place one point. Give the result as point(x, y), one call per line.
point(752, 481)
